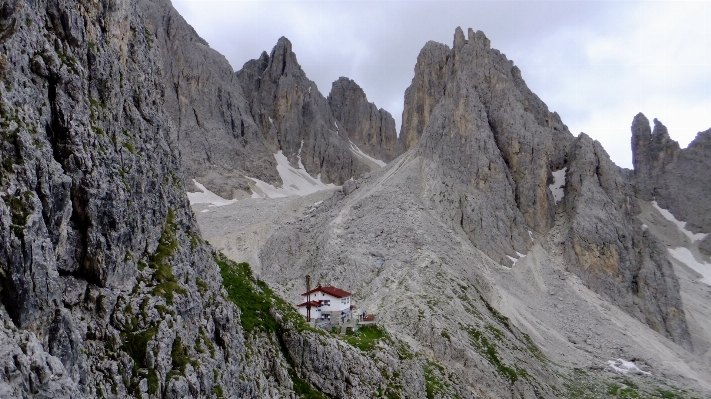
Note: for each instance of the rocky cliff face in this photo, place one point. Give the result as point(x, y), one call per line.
point(295, 118)
point(676, 178)
point(219, 142)
point(98, 269)
point(496, 184)
point(610, 250)
point(107, 289)
point(370, 128)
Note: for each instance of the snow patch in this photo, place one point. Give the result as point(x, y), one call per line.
point(685, 256)
point(314, 206)
point(514, 260)
point(681, 225)
point(530, 234)
point(360, 154)
point(624, 367)
point(207, 197)
point(296, 180)
point(558, 184)
point(204, 210)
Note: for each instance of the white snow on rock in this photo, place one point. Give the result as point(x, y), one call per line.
point(681, 225)
point(360, 154)
point(207, 197)
point(296, 181)
point(514, 260)
point(558, 184)
point(624, 367)
point(685, 256)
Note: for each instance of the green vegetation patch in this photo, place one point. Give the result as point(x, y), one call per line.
point(135, 343)
point(488, 350)
point(167, 244)
point(366, 337)
point(18, 211)
point(253, 300)
point(303, 389)
point(129, 147)
point(180, 360)
point(434, 382)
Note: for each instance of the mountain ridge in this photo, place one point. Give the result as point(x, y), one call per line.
point(108, 290)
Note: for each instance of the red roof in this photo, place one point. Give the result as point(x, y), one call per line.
point(333, 291)
point(313, 303)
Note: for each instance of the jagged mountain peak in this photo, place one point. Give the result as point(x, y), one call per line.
point(677, 179)
point(371, 130)
point(486, 158)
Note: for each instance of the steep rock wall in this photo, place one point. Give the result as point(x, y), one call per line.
point(676, 178)
point(370, 128)
point(294, 117)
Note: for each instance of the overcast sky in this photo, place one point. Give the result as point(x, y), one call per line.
point(595, 63)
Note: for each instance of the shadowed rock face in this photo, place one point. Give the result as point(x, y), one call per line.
point(609, 250)
point(370, 128)
point(218, 140)
point(678, 179)
point(294, 117)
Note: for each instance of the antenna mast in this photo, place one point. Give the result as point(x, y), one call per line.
point(308, 298)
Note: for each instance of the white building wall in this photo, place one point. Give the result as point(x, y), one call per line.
point(315, 312)
point(335, 304)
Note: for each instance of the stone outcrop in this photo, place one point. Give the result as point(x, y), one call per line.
point(106, 288)
point(370, 128)
point(295, 118)
point(489, 135)
point(676, 178)
point(427, 85)
point(610, 251)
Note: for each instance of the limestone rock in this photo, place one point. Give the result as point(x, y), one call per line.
point(607, 249)
point(676, 178)
point(426, 88)
point(219, 142)
point(105, 285)
point(294, 117)
point(370, 128)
